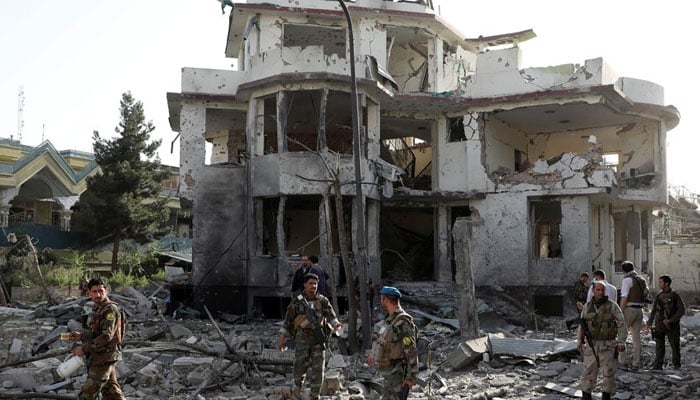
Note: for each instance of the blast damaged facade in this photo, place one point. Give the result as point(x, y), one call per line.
point(554, 170)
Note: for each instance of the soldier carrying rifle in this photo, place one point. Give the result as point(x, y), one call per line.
point(603, 328)
point(306, 314)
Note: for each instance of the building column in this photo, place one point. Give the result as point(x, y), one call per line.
point(6, 196)
point(442, 257)
point(4, 215)
point(65, 220)
point(634, 236)
point(192, 150)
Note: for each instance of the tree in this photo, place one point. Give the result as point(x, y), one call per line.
point(124, 197)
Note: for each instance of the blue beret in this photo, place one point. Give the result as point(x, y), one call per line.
point(390, 291)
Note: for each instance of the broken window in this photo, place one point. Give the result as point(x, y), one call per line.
point(338, 117)
point(318, 119)
point(455, 129)
point(331, 39)
point(546, 225)
point(611, 160)
point(521, 163)
point(303, 120)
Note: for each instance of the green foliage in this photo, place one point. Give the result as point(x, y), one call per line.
point(123, 199)
point(120, 278)
point(61, 276)
point(159, 276)
point(138, 262)
point(74, 259)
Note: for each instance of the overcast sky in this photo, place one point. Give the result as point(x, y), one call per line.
point(75, 58)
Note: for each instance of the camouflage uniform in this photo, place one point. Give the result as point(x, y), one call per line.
point(607, 326)
point(102, 347)
point(308, 349)
point(395, 352)
point(580, 291)
point(667, 305)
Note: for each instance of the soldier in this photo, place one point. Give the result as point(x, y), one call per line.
point(394, 352)
point(604, 329)
point(101, 345)
point(307, 313)
point(580, 291)
point(666, 313)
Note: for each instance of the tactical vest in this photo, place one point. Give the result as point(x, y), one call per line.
point(389, 346)
point(637, 289)
point(303, 328)
point(601, 324)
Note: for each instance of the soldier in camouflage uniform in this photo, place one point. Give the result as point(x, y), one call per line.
point(309, 347)
point(606, 324)
point(101, 345)
point(580, 294)
point(394, 352)
point(666, 313)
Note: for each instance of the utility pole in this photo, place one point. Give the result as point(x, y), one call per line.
point(20, 112)
point(361, 256)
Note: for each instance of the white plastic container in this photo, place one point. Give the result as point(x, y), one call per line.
point(70, 366)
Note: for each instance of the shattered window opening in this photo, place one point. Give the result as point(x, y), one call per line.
point(331, 39)
point(455, 130)
point(611, 160)
point(546, 225)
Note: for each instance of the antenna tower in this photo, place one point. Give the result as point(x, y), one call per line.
point(20, 111)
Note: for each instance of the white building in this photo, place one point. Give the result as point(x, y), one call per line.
point(557, 169)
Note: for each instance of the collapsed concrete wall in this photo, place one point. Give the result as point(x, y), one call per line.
point(682, 263)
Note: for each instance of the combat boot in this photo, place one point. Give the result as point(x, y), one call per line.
point(606, 396)
point(587, 396)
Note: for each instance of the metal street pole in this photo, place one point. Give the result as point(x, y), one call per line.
point(360, 257)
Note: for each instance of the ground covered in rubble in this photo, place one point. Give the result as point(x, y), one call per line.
point(179, 356)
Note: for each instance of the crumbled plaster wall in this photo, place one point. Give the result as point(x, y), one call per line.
point(211, 81)
point(501, 142)
point(192, 149)
point(461, 164)
point(503, 224)
point(408, 66)
point(219, 149)
point(682, 263)
point(304, 173)
point(457, 66)
point(370, 37)
point(498, 74)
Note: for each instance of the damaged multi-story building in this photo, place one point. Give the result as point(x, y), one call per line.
point(555, 170)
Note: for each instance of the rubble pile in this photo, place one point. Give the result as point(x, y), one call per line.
point(223, 356)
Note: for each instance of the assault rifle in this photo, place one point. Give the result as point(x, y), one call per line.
point(315, 325)
point(404, 392)
point(589, 338)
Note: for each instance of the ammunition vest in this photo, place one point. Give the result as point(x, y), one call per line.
point(388, 347)
point(636, 294)
point(601, 323)
point(303, 328)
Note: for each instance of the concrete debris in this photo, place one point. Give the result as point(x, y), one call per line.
point(228, 357)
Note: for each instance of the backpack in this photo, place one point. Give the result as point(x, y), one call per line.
point(646, 295)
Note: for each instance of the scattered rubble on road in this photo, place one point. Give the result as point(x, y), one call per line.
point(180, 356)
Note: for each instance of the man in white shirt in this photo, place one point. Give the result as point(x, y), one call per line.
point(631, 303)
point(610, 289)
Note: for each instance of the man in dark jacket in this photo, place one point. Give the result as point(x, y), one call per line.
point(101, 346)
point(666, 313)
